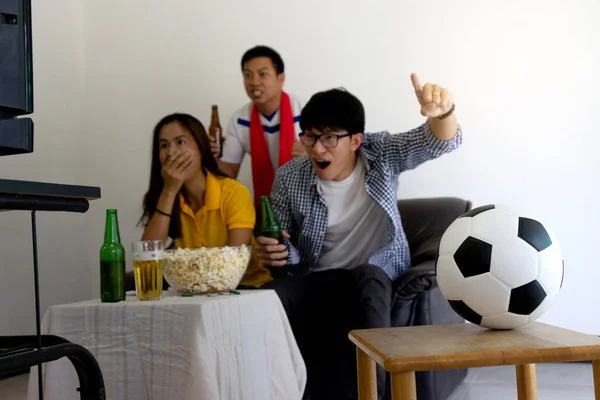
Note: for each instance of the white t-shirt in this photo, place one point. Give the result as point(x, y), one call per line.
point(237, 143)
point(356, 227)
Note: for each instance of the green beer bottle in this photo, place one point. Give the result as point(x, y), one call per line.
point(112, 262)
point(271, 228)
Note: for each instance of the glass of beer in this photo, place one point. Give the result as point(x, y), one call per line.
point(147, 270)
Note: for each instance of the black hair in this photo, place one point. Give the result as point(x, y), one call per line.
point(333, 110)
point(264, 51)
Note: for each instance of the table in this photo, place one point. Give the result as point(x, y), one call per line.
point(402, 351)
point(226, 347)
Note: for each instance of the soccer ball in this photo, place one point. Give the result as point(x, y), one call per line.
point(498, 269)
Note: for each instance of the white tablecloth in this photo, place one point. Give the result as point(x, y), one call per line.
point(178, 348)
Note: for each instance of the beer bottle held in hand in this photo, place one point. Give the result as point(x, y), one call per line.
point(112, 262)
point(271, 228)
point(215, 129)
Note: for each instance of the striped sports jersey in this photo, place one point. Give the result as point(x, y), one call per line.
point(237, 139)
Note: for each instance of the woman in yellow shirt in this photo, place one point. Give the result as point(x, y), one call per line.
point(191, 201)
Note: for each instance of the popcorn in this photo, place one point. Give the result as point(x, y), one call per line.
point(205, 270)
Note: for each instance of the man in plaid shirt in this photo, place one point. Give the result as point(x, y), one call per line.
point(344, 241)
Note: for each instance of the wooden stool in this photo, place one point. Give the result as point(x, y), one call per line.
point(402, 351)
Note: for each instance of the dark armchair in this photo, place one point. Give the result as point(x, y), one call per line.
point(417, 297)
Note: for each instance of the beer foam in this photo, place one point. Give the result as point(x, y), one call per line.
point(148, 255)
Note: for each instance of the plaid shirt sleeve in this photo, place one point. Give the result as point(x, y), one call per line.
point(406, 151)
point(282, 207)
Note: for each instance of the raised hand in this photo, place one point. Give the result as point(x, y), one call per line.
point(175, 170)
point(434, 99)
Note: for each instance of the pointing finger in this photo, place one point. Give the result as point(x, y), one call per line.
point(416, 82)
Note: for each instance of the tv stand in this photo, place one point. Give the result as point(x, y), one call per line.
point(20, 352)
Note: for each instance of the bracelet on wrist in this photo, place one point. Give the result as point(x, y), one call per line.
point(163, 213)
point(449, 113)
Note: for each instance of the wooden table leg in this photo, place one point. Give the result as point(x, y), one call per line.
point(404, 386)
point(367, 376)
point(526, 382)
point(596, 366)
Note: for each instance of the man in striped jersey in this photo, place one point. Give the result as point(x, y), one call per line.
point(268, 127)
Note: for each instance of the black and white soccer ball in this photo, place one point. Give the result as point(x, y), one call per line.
point(498, 269)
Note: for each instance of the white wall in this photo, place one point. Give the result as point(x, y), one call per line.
point(522, 74)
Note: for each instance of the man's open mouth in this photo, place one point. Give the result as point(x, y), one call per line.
point(322, 164)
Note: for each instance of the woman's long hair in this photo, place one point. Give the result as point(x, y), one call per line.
point(208, 161)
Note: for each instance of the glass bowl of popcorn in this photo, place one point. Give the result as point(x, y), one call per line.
point(205, 270)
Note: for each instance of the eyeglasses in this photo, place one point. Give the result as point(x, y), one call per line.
point(329, 140)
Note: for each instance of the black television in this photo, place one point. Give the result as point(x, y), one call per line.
point(16, 77)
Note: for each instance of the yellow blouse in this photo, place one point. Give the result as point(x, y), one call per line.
point(228, 205)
